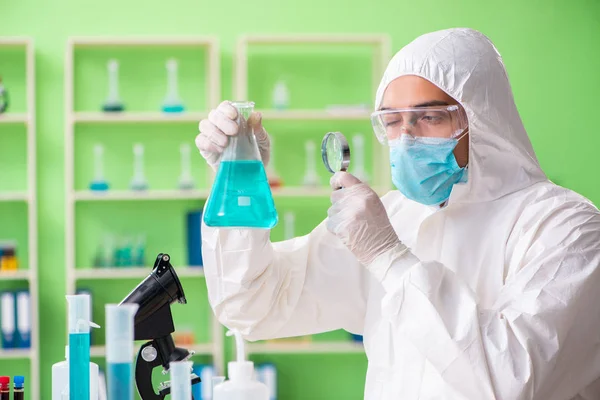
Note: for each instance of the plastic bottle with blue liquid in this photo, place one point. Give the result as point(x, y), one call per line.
point(79, 346)
point(241, 195)
point(120, 350)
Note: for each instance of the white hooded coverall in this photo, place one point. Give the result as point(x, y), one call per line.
point(499, 295)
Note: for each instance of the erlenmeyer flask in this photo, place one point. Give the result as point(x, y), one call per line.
point(241, 196)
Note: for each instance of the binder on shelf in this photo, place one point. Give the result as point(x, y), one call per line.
point(8, 324)
point(194, 238)
point(23, 319)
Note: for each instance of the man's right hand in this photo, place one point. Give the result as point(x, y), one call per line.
point(220, 124)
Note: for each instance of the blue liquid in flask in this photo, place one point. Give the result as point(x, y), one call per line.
point(120, 381)
point(79, 366)
point(241, 197)
point(173, 108)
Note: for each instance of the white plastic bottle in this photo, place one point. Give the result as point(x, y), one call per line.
point(241, 384)
point(60, 379)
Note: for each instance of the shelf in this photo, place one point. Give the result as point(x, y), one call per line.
point(201, 349)
point(196, 117)
point(301, 192)
point(142, 41)
point(97, 351)
point(15, 354)
point(14, 196)
point(14, 41)
point(305, 347)
point(132, 272)
point(14, 118)
point(18, 275)
point(83, 121)
point(126, 195)
point(137, 117)
point(316, 115)
point(316, 39)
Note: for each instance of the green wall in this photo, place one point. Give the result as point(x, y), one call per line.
point(550, 48)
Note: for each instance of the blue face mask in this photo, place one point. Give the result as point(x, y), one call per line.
point(424, 169)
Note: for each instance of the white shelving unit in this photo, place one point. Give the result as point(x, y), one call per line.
point(136, 117)
point(127, 195)
point(124, 195)
point(72, 119)
point(14, 196)
point(200, 349)
point(30, 198)
point(15, 118)
point(313, 347)
point(19, 275)
point(315, 115)
point(19, 354)
point(135, 272)
point(381, 54)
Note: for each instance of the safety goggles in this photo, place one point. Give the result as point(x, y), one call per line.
point(436, 122)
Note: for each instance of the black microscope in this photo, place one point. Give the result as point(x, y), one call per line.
point(154, 322)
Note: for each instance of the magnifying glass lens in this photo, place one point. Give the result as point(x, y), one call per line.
point(335, 152)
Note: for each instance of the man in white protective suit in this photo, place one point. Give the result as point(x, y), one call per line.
point(477, 279)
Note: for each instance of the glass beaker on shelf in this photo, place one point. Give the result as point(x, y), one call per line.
point(241, 195)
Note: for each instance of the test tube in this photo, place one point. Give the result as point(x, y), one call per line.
point(119, 350)
point(19, 388)
point(181, 384)
point(79, 346)
point(4, 388)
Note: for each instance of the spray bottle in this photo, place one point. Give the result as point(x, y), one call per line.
point(60, 379)
point(241, 384)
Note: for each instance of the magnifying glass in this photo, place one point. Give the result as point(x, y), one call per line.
point(335, 152)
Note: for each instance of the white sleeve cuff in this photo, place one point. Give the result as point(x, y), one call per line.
point(392, 264)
